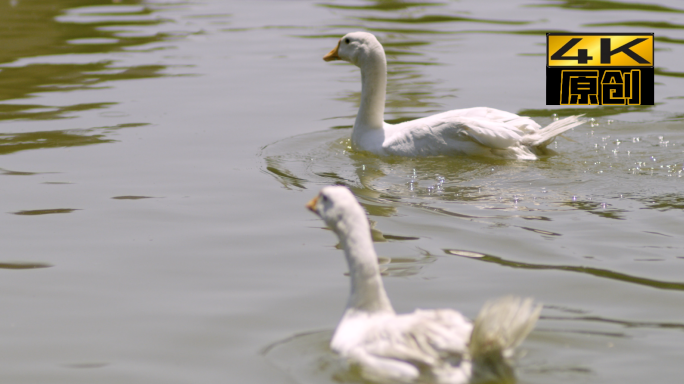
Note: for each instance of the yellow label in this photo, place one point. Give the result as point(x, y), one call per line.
point(634, 50)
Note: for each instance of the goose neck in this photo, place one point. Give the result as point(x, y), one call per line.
point(367, 291)
point(373, 88)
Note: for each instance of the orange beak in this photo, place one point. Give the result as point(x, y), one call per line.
point(332, 55)
point(311, 205)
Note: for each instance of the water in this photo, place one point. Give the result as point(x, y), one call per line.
point(155, 158)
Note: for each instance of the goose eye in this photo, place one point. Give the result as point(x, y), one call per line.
point(346, 40)
point(324, 198)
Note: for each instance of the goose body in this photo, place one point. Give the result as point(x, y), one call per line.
point(440, 346)
point(479, 131)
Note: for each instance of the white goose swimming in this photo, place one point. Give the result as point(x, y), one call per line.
point(439, 346)
point(480, 131)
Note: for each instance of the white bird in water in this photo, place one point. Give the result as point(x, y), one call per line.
point(480, 131)
point(436, 346)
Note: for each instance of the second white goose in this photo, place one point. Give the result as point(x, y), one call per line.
point(480, 131)
point(436, 346)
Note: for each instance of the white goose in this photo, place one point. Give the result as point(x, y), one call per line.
point(477, 131)
point(439, 346)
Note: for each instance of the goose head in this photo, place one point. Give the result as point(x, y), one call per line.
point(356, 48)
point(338, 207)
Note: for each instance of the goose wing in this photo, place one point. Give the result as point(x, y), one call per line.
point(405, 346)
point(460, 131)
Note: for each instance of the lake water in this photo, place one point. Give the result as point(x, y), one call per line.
point(156, 156)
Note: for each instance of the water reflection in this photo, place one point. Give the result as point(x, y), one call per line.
point(638, 24)
point(596, 208)
point(130, 197)
point(66, 45)
point(384, 5)
point(17, 173)
point(403, 266)
point(663, 72)
point(15, 142)
point(43, 112)
point(588, 111)
point(626, 324)
point(285, 177)
point(603, 273)
point(307, 358)
point(604, 5)
point(60, 46)
point(441, 19)
point(664, 202)
point(39, 212)
point(23, 265)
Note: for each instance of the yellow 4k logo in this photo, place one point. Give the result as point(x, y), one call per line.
point(599, 69)
point(631, 50)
